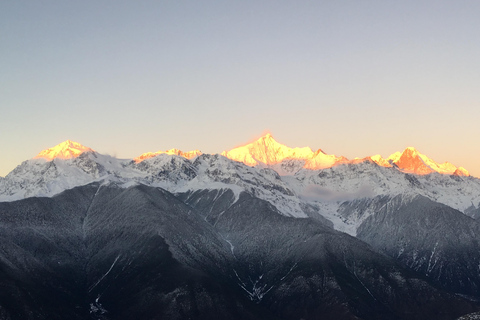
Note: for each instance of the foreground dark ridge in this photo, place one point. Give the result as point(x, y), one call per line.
point(102, 252)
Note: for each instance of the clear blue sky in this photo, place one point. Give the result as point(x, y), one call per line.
point(354, 78)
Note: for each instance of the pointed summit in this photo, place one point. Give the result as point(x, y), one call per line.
point(462, 172)
point(65, 150)
point(268, 135)
point(267, 151)
point(411, 150)
point(412, 161)
point(380, 161)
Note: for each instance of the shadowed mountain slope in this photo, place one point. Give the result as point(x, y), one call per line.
point(102, 252)
point(428, 237)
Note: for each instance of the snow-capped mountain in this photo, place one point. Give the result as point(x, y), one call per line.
point(412, 161)
point(249, 234)
point(42, 177)
point(67, 165)
point(297, 181)
point(65, 150)
point(285, 160)
point(268, 152)
point(215, 172)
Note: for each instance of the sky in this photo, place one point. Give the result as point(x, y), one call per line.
point(354, 78)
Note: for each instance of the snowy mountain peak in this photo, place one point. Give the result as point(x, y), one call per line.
point(411, 150)
point(285, 160)
point(65, 150)
point(189, 155)
point(268, 135)
point(266, 151)
point(412, 161)
point(461, 171)
point(378, 159)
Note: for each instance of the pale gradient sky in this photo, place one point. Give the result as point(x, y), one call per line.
point(354, 78)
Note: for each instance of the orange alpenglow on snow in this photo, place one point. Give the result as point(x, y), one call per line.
point(65, 150)
point(380, 161)
point(461, 171)
point(269, 152)
point(412, 161)
point(188, 155)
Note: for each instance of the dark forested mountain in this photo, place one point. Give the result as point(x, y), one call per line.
point(104, 252)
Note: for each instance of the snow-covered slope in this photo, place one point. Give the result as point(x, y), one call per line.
point(328, 189)
point(178, 174)
point(42, 177)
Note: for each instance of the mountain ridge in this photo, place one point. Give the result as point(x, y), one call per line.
point(293, 189)
point(188, 155)
point(267, 152)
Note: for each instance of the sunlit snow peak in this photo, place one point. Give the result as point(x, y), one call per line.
point(380, 161)
point(65, 150)
point(412, 161)
point(268, 151)
point(461, 171)
point(188, 154)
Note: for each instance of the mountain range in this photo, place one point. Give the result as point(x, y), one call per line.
point(262, 231)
